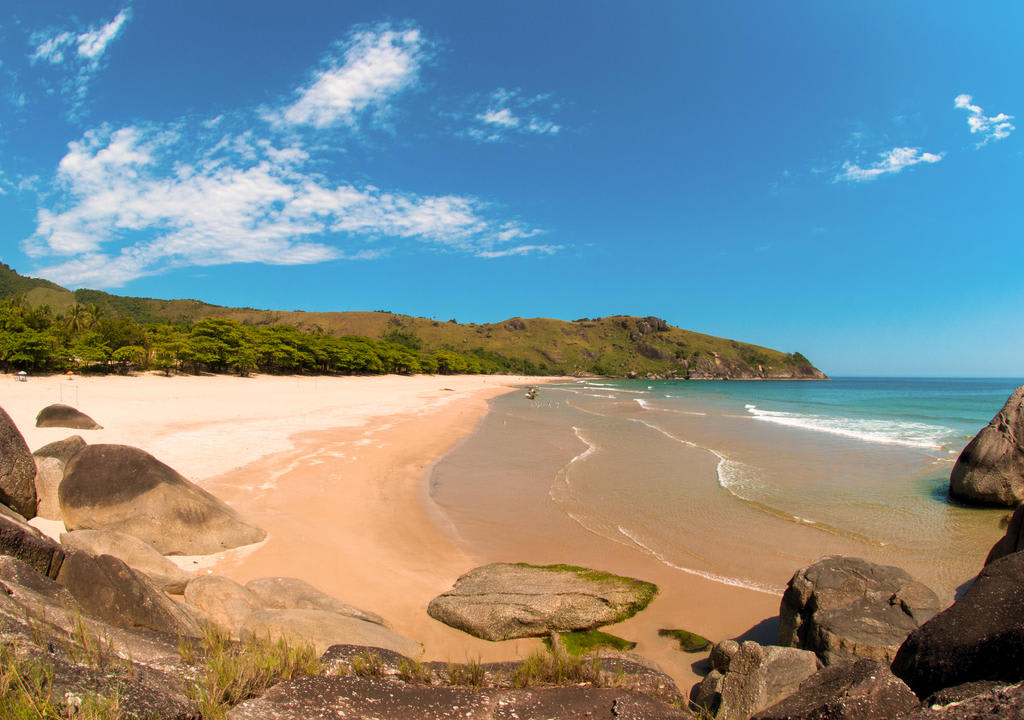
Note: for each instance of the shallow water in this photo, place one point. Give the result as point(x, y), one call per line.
point(741, 483)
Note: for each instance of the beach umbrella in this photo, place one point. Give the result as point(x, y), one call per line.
point(22, 372)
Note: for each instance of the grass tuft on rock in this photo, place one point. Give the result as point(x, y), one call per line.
point(553, 668)
point(688, 641)
point(231, 672)
point(584, 642)
point(26, 693)
point(643, 591)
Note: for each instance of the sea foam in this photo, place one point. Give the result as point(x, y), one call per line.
point(888, 432)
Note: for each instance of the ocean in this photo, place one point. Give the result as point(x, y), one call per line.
point(740, 483)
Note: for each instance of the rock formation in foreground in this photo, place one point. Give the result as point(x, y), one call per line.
point(58, 415)
point(17, 470)
point(990, 470)
point(841, 607)
point(502, 601)
point(117, 487)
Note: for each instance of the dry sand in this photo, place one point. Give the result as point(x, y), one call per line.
point(335, 470)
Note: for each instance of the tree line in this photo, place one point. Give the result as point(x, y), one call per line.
point(84, 338)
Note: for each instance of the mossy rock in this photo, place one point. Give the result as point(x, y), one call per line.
point(688, 641)
point(503, 601)
point(582, 643)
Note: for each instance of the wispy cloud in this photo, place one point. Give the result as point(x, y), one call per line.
point(508, 112)
point(520, 250)
point(994, 127)
point(80, 53)
point(373, 66)
point(891, 162)
point(134, 207)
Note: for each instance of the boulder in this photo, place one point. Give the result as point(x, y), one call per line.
point(49, 473)
point(1013, 540)
point(108, 589)
point(21, 540)
point(117, 487)
point(371, 698)
point(284, 593)
point(502, 601)
point(222, 601)
point(990, 469)
point(852, 690)
point(65, 416)
point(17, 470)
point(979, 637)
point(991, 701)
point(748, 678)
point(842, 606)
point(137, 554)
point(323, 629)
point(63, 450)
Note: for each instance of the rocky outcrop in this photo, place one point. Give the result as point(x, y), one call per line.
point(973, 702)
point(117, 487)
point(860, 690)
point(285, 593)
point(502, 601)
point(49, 473)
point(63, 450)
point(222, 601)
point(747, 678)
point(370, 698)
point(1012, 541)
point(135, 553)
point(990, 469)
point(842, 606)
point(17, 470)
point(58, 415)
point(980, 637)
point(43, 626)
point(20, 540)
point(322, 629)
point(108, 589)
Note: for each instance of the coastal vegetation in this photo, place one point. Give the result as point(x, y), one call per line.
point(46, 328)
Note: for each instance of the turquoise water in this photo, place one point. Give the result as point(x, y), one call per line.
point(738, 482)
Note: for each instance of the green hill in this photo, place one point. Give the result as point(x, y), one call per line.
point(618, 345)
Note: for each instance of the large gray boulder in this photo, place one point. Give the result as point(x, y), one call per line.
point(49, 474)
point(51, 460)
point(502, 601)
point(842, 606)
point(17, 470)
point(979, 637)
point(860, 690)
point(222, 601)
point(1012, 541)
point(58, 415)
point(137, 554)
point(322, 629)
point(117, 487)
point(20, 540)
point(747, 678)
point(63, 450)
point(108, 589)
point(285, 593)
point(990, 469)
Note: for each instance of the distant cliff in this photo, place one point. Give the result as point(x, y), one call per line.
point(617, 346)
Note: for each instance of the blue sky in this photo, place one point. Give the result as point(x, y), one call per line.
point(841, 179)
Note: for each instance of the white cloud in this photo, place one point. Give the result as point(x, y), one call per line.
point(508, 112)
point(893, 161)
point(81, 53)
point(376, 64)
point(520, 250)
point(134, 206)
point(995, 127)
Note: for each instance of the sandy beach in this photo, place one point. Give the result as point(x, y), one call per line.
point(335, 469)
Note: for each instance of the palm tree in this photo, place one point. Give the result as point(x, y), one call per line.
point(94, 312)
point(76, 317)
